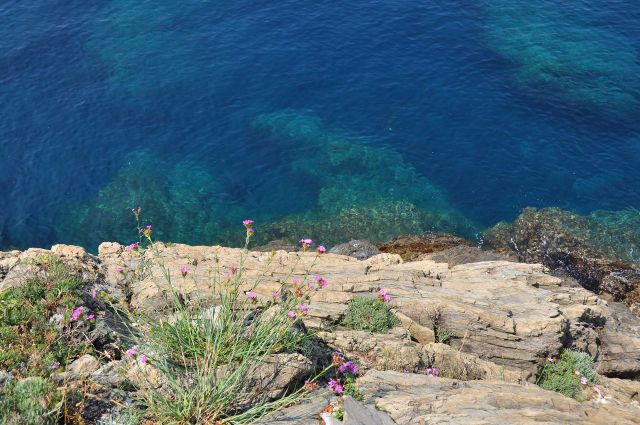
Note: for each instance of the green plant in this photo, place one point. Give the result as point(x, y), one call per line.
point(443, 335)
point(560, 374)
point(36, 332)
point(208, 358)
point(29, 401)
point(339, 414)
point(350, 388)
point(369, 314)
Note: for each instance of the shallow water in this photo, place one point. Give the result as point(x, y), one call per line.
point(337, 119)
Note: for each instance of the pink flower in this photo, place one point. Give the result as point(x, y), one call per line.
point(311, 286)
point(321, 281)
point(275, 294)
point(77, 313)
point(584, 381)
point(382, 295)
point(133, 247)
point(292, 315)
point(349, 367)
point(91, 317)
point(577, 372)
point(306, 243)
point(550, 359)
point(251, 231)
point(247, 223)
point(119, 269)
point(304, 309)
point(55, 365)
point(296, 282)
point(321, 249)
point(184, 270)
point(131, 351)
point(149, 227)
point(251, 295)
point(335, 386)
point(432, 371)
point(94, 294)
point(143, 360)
point(598, 391)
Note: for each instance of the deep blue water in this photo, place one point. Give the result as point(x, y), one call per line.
point(205, 113)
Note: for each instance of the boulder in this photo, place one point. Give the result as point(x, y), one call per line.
point(360, 249)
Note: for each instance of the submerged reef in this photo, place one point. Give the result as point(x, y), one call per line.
point(343, 188)
point(567, 55)
point(144, 50)
point(363, 190)
point(183, 201)
point(600, 250)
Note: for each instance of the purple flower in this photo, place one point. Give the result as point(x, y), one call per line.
point(247, 223)
point(599, 391)
point(551, 359)
point(275, 294)
point(91, 317)
point(94, 294)
point(577, 372)
point(320, 280)
point(432, 371)
point(335, 386)
point(251, 231)
point(311, 286)
point(382, 295)
point(251, 295)
point(296, 282)
point(306, 243)
point(119, 269)
point(292, 315)
point(184, 270)
point(584, 381)
point(349, 367)
point(55, 365)
point(149, 227)
point(133, 247)
point(131, 351)
point(143, 360)
point(321, 249)
point(304, 309)
point(77, 313)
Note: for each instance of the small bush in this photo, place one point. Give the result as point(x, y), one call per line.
point(32, 340)
point(29, 401)
point(443, 335)
point(369, 314)
point(560, 375)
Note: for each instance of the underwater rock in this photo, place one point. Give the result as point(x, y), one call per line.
point(363, 190)
point(181, 200)
point(599, 250)
point(565, 56)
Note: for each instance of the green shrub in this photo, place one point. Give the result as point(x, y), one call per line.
point(443, 335)
point(560, 375)
point(30, 401)
point(31, 342)
point(369, 314)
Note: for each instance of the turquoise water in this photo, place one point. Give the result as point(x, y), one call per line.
point(329, 119)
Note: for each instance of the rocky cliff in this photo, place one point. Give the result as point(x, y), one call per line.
point(487, 327)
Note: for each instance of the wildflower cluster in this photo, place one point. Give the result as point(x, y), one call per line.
point(346, 373)
point(133, 353)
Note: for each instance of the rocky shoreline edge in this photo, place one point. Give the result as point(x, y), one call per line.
point(486, 321)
